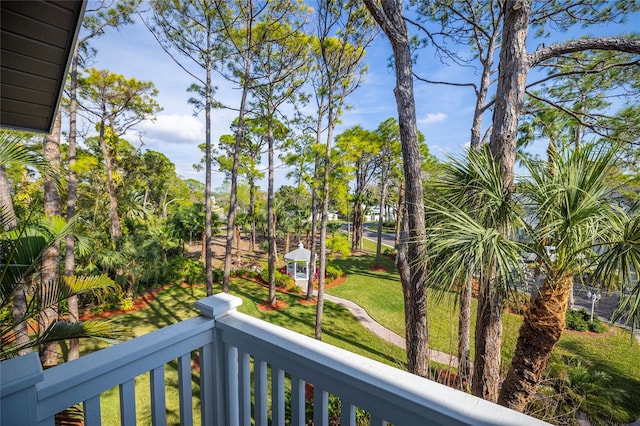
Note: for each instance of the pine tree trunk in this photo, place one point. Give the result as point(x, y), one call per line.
point(233, 192)
point(512, 75)
point(69, 258)
point(114, 228)
point(383, 196)
point(396, 240)
point(252, 213)
point(411, 267)
point(208, 267)
point(357, 226)
point(311, 242)
point(324, 218)
point(50, 272)
point(464, 333)
point(486, 365)
point(541, 329)
point(271, 217)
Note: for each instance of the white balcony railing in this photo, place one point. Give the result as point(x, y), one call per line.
point(227, 341)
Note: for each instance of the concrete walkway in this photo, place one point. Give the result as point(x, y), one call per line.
point(363, 317)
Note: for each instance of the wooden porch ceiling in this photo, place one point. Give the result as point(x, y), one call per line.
point(36, 43)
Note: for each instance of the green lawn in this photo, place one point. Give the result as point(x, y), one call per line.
point(379, 292)
point(176, 303)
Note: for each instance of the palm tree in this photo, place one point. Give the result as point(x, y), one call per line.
point(568, 205)
point(20, 259)
point(14, 152)
point(465, 240)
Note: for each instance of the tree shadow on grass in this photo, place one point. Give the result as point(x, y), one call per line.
point(306, 316)
point(361, 265)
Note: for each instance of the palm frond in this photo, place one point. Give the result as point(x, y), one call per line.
point(474, 183)
point(13, 151)
point(64, 330)
point(459, 247)
point(108, 331)
point(566, 202)
point(621, 260)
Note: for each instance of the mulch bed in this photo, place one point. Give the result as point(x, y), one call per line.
point(141, 302)
point(149, 296)
point(268, 307)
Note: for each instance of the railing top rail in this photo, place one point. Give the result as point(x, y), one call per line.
point(93, 374)
point(396, 395)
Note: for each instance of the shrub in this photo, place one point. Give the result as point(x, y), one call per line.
point(264, 275)
point(339, 246)
point(388, 251)
point(597, 326)
point(249, 273)
point(282, 280)
point(577, 320)
point(571, 387)
point(185, 269)
point(218, 274)
point(333, 272)
point(126, 304)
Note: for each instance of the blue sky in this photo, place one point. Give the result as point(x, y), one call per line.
point(444, 113)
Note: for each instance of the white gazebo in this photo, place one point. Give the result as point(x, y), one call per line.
point(298, 265)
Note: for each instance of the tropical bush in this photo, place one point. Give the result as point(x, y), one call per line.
point(282, 280)
point(184, 269)
point(571, 387)
point(333, 272)
point(21, 252)
point(580, 321)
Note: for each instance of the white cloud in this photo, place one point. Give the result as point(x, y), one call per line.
point(433, 118)
point(174, 128)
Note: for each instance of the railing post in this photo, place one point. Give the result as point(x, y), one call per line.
point(18, 379)
point(213, 367)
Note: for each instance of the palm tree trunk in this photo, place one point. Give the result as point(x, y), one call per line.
point(543, 324)
point(6, 203)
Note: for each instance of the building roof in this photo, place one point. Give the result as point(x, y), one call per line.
point(36, 45)
point(299, 254)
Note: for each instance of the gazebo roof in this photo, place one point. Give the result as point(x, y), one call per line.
point(299, 254)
